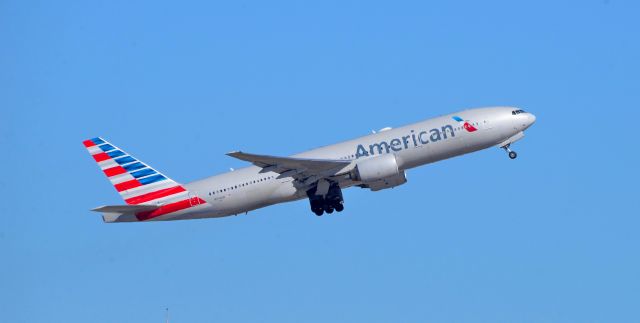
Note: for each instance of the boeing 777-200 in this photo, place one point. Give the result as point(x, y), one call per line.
point(376, 162)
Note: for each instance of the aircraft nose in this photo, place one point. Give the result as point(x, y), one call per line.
point(532, 119)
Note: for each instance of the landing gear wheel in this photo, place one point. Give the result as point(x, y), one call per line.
point(327, 203)
point(512, 154)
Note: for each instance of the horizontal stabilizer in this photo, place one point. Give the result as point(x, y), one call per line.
point(125, 208)
point(123, 213)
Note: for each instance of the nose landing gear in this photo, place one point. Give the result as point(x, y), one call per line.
point(332, 201)
point(512, 154)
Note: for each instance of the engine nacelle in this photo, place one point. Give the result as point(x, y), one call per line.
point(388, 182)
point(380, 172)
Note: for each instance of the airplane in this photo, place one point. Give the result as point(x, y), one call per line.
point(376, 162)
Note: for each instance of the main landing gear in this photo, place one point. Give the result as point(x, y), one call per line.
point(328, 203)
point(512, 154)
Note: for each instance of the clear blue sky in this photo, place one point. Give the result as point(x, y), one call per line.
point(550, 237)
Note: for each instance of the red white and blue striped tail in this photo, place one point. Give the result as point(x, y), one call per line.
point(137, 183)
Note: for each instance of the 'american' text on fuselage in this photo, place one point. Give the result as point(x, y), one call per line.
point(414, 139)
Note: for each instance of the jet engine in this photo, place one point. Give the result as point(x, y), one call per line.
point(380, 172)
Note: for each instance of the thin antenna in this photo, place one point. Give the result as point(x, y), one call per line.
point(167, 315)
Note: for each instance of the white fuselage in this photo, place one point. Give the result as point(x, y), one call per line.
point(414, 145)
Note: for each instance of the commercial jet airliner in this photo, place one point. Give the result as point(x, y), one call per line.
point(376, 162)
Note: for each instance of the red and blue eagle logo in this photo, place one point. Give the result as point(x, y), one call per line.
point(467, 126)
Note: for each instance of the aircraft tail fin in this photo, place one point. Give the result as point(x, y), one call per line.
point(135, 181)
point(148, 193)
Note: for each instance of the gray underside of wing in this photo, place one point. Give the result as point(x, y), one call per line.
point(298, 168)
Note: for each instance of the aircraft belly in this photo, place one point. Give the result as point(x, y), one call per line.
point(446, 149)
point(462, 144)
point(285, 191)
point(414, 157)
point(258, 197)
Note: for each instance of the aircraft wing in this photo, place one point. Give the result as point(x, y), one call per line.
point(305, 169)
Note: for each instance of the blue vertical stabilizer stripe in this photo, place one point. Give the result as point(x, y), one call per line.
point(97, 141)
point(125, 160)
point(133, 166)
point(115, 153)
point(106, 147)
point(151, 179)
point(143, 172)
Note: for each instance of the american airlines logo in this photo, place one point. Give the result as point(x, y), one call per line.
point(465, 124)
point(412, 140)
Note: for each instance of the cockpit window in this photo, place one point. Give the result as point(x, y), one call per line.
point(514, 112)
